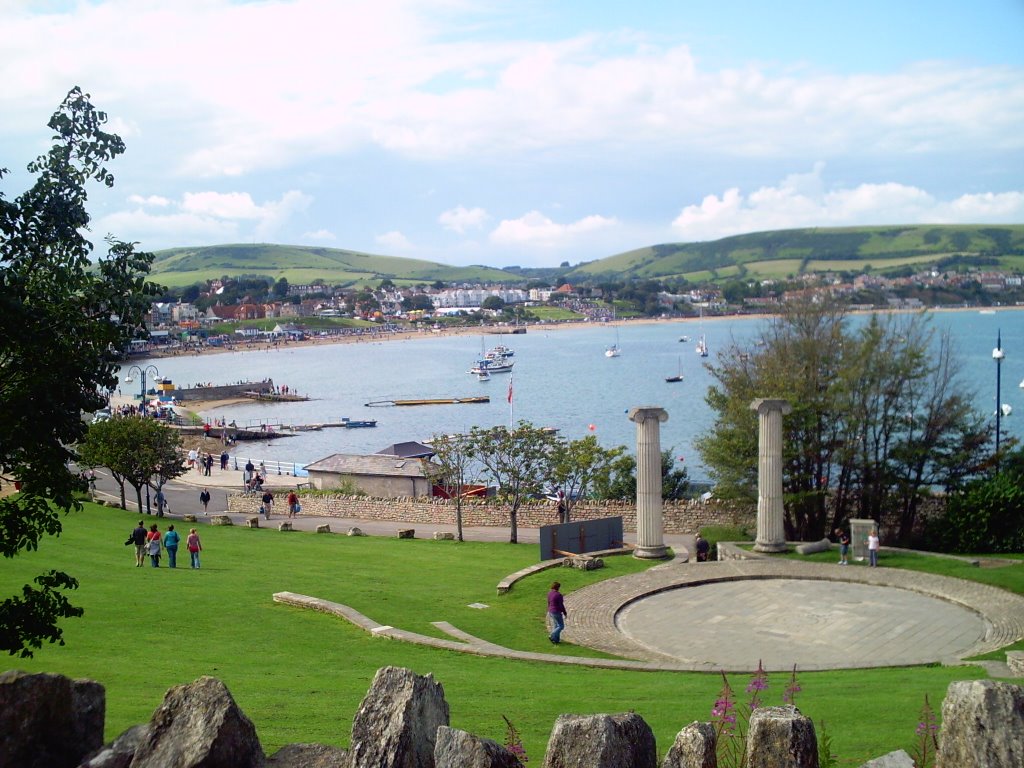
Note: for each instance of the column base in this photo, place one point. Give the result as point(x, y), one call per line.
point(659, 552)
point(770, 546)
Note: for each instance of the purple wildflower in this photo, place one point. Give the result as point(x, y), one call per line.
point(792, 689)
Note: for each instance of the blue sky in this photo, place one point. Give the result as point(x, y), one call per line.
point(526, 133)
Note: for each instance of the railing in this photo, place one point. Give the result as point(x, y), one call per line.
point(268, 467)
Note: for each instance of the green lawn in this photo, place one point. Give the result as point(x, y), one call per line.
point(301, 675)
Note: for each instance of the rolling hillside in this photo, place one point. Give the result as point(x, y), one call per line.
point(301, 264)
point(791, 252)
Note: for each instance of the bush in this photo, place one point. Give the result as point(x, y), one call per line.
point(987, 515)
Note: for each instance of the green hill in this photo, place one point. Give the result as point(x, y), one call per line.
point(792, 252)
point(177, 267)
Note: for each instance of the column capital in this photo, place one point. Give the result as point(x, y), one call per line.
point(643, 413)
point(764, 405)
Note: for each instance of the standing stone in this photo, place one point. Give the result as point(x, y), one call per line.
point(601, 741)
point(396, 725)
point(771, 530)
point(780, 737)
point(694, 747)
point(49, 721)
point(982, 725)
point(119, 753)
point(458, 749)
point(199, 725)
point(650, 540)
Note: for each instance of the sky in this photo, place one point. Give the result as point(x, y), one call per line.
point(525, 133)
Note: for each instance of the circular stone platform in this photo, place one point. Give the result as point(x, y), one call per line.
point(783, 622)
point(728, 615)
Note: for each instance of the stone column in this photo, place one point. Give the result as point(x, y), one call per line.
point(771, 532)
point(650, 541)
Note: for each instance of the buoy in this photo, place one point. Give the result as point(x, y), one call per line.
point(591, 427)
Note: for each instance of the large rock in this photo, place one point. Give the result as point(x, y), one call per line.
point(458, 749)
point(120, 752)
point(49, 721)
point(780, 737)
point(308, 756)
point(199, 725)
point(396, 725)
point(897, 759)
point(601, 741)
point(694, 747)
point(982, 725)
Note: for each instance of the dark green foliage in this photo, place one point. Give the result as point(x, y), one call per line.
point(64, 321)
point(986, 515)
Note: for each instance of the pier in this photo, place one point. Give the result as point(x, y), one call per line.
point(429, 401)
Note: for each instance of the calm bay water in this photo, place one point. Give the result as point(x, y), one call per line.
point(561, 379)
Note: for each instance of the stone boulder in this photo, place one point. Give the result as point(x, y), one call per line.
point(199, 725)
point(285, 525)
point(897, 759)
point(444, 536)
point(982, 725)
point(308, 756)
point(49, 721)
point(458, 749)
point(323, 528)
point(781, 737)
point(119, 753)
point(407, 533)
point(396, 725)
point(694, 747)
point(355, 531)
point(252, 522)
point(813, 547)
point(601, 741)
point(220, 520)
point(188, 518)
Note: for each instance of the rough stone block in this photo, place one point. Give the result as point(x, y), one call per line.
point(188, 518)
point(781, 737)
point(444, 536)
point(583, 563)
point(897, 759)
point(694, 747)
point(323, 529)
point(813, 547)
point(458, 749)
point(407, 533)
point(220, 520)
point(982, 725)
point(355, 531)
point(285, 525)
point(252, 522)
point(1015, 661)
point(601, 741)
point(308, 756)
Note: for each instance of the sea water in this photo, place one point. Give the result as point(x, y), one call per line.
point(561, 379)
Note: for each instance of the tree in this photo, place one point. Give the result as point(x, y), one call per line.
point(577, 465)
point(280, 289)
point(878, 417)
point(518, 460)
point(619, 482)
point(455, 456)
point(493, 303)
point(64, 321)
point(135, 449)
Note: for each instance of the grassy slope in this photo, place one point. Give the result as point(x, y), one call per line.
point(848, 248)
point(300, 264)
point(300, 676)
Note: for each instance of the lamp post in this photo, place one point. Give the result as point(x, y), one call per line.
point(998, 355)
point(141, 372)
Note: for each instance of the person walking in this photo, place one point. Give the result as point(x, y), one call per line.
point(171, 541)
point(204, 499)
point(293, 504)
point(873, 544)
point(268, 503)
point(557, 612)
point(138, 538)
point(153, 545)
point(194, 546)
point(224, 458)
point(844, 545)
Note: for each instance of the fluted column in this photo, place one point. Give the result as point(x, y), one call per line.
point(650, 531)
point(771, 530)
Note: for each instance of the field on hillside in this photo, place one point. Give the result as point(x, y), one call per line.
point(300, 676)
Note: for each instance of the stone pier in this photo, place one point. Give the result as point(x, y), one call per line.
point(650, 541)
point(771, 530)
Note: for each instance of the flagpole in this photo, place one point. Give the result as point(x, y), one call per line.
point(511, 406)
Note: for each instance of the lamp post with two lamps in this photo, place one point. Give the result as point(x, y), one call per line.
point(141, 372)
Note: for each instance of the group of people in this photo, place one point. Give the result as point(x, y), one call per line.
point(151, 543)
point(203, 462)
point(873, 543)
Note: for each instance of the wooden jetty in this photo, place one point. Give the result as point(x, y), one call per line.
point(430, 401)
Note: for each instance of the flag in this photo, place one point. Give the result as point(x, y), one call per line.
point(510, 390)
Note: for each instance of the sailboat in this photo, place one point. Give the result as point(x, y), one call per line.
point(678, 376)
point(702, 343)
point(613, 350)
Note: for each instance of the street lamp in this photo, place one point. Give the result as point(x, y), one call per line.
point(141, 372)
point(998, 355)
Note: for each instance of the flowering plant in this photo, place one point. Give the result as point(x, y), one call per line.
point(927, 737)
point(514, 742)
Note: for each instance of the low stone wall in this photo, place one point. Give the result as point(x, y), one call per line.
point(224, 392)
point(679, 517)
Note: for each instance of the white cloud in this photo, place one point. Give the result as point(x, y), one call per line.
point(394, 242)
point(320, 235)
point(459, 219)
point(154, 200)
point(536, 229)
point(801, 200)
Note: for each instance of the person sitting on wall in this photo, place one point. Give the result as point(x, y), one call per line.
point(703, 549)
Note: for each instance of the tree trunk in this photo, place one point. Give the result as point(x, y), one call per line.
point(458, 517)
point(513, 517)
